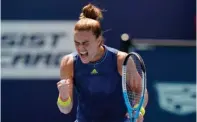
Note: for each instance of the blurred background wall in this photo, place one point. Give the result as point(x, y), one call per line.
point(35, 34)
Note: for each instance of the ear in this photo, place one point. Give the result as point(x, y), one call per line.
point(100, 40)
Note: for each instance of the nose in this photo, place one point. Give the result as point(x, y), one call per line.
point(81, 47)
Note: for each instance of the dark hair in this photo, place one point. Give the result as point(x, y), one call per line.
point(89, 20)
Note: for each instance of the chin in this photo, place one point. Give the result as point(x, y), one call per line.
point(84, 61)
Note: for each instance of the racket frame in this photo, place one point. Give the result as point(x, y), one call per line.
point(124, 86)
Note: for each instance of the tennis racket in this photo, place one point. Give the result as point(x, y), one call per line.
point(132, 97)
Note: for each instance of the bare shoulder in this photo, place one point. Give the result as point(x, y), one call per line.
point(66, 67)
point(121, 55)
point(120, 59)
point(67, 60)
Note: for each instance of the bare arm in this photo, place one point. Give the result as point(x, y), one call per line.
point(66, 89)
point(135, 80)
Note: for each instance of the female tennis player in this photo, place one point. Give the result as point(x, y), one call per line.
point(95, 70)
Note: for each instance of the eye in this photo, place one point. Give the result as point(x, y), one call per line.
point(77, 43)
point(86, 43)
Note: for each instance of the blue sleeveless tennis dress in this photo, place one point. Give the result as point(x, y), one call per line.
point(99, 89)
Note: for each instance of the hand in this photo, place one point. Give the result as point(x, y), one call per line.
point(140, 118)
point(63, 87)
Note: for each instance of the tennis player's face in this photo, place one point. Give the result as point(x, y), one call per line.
point(86, 44)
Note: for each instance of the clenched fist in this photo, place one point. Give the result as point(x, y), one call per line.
point(63, 87)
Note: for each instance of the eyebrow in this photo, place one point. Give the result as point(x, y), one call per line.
point(81, 42)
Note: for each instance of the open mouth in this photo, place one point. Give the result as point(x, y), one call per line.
point(84, 54)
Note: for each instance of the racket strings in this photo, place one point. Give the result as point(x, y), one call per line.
point(134, 96)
